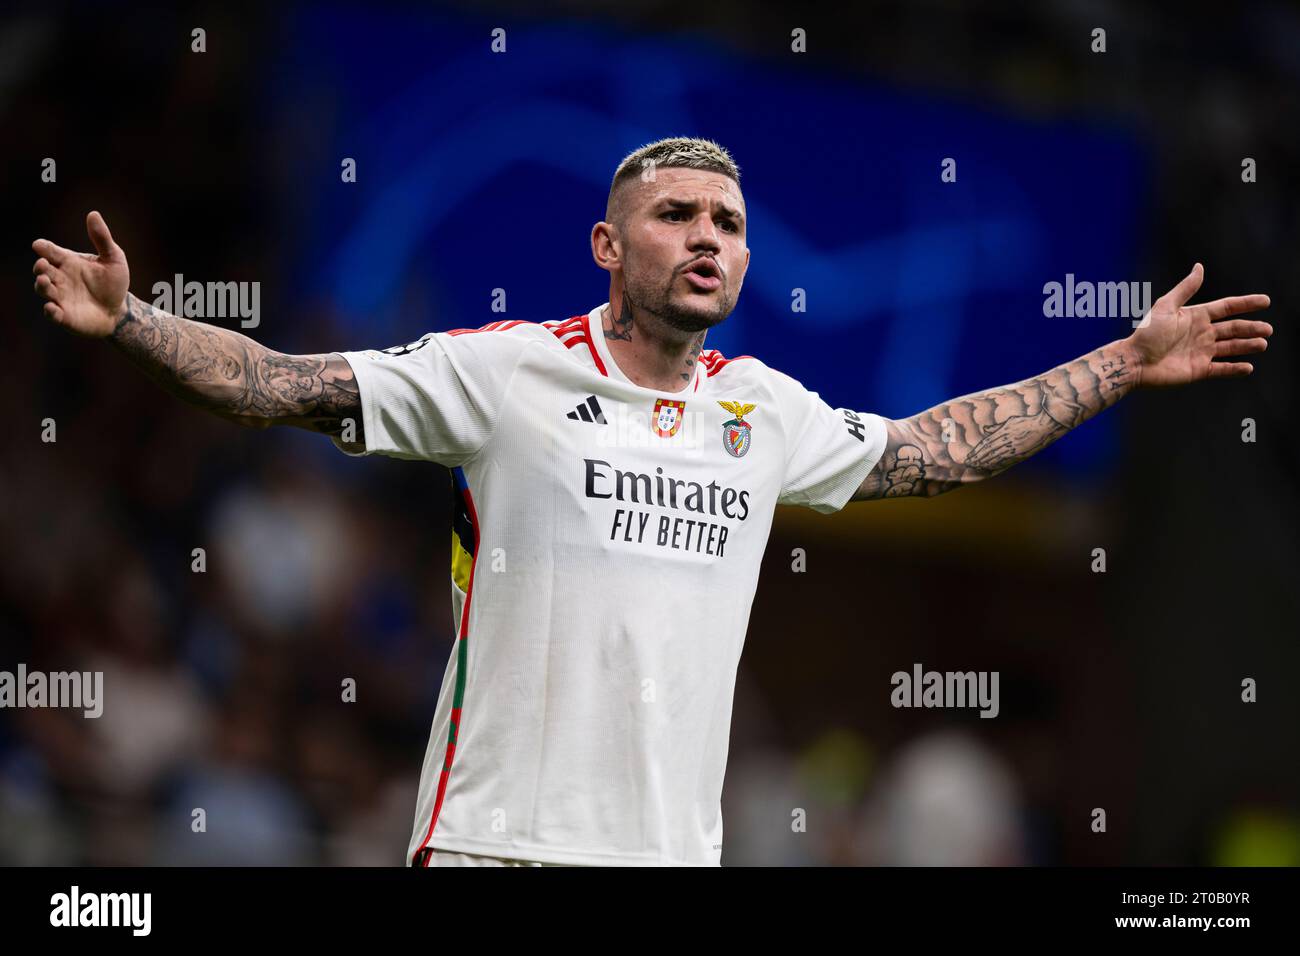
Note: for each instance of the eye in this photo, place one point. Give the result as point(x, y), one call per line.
point(732, 227)
point(673, 212)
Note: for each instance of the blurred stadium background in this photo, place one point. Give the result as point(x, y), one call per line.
point(476, 171)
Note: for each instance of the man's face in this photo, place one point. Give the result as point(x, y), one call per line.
point(683, 247)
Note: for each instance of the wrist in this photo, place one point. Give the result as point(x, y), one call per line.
point(1132, 358)
point(120, 315)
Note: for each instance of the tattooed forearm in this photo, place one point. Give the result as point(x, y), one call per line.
point(983, 434)
point(232, 376)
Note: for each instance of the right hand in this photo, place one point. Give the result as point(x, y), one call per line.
point(85, 293)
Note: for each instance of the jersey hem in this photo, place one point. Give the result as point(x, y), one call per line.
point(546, 854)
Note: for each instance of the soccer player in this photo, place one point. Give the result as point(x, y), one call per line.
point(614, 487)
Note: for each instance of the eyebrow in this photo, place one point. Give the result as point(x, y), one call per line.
point(692, 204)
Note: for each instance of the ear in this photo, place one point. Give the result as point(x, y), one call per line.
point(605, 246)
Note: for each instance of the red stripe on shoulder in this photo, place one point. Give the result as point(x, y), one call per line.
point(714, 361)
point(575, 331)
point(500, 325)
point(595, 356)
point(570, 331)
point(562, 330)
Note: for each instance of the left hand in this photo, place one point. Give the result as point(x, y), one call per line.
point(1176, 344)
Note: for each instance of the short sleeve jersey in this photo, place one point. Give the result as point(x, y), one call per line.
point(606, 547)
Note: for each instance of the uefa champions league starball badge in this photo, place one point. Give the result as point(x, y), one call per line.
point(735, 433)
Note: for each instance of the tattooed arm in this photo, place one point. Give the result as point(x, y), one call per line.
point(214, 368)
point(981, 435)
point(232, 376)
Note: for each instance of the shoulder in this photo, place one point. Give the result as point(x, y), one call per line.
point(512, 331)
point(495, 340)
point(570, 333)
point(720, 368)
point(747, 370)
point(756, 380)
point(558, 334)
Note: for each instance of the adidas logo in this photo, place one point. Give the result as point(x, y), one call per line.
point(588, 411)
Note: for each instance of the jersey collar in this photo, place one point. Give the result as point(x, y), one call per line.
point(596, 336)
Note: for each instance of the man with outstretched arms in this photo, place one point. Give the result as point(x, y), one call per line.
point(614, 484)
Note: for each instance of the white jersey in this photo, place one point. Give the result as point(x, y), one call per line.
point(606, 547)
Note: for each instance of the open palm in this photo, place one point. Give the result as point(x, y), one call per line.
point(84, 292)
point(1178, 343)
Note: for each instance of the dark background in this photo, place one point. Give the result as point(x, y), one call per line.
point(479, 171)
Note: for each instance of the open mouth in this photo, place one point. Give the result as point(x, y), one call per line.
point(704, 275)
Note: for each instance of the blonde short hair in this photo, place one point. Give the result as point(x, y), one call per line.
point(675, 151)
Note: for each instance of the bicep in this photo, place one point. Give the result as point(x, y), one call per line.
point(315, 392)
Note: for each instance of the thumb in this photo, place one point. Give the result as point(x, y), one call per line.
point(1187, 288)
point(97, 229)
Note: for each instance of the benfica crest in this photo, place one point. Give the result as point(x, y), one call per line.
point(735, 433)
point(668, 417)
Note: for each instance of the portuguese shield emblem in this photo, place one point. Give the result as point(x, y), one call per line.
point(668, 417)
point(735, 433)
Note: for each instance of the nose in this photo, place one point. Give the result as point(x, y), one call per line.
point(703, 237)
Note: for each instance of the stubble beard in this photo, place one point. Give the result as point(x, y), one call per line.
point(659, 302)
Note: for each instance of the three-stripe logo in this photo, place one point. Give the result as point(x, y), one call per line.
point(588, 411)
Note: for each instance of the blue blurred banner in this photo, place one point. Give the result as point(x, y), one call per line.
point(479, 170)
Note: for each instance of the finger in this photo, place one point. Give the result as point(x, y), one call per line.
point(1227, 347)
point(44, 286)
point(43, 268)
point(100, 237)
point(1242, 329)
point(1187, 288)
point(985, 455)
point(57, 278)
point(56, 254)
point(1234, 305)
point(1230, 369)
point(53, 311)
point(993, 446)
